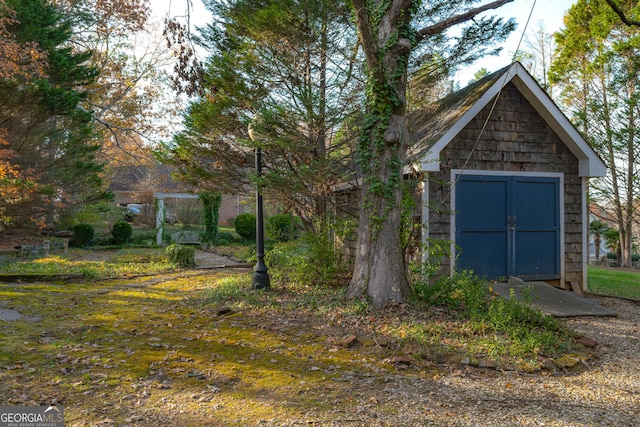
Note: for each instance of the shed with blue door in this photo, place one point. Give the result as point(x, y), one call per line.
point(504, 181)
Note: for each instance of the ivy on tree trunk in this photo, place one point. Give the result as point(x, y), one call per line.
point(211, 205)
point(388, 38)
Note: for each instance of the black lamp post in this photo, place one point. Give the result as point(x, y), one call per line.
point(260, 272)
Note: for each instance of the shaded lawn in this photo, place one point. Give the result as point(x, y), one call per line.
point(616, 282)
point(114, 353)
point(154, 351)
point(95, 264)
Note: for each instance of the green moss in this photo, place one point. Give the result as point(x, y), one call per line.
point(276, 354)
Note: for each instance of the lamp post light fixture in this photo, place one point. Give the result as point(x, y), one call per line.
point(260, 279)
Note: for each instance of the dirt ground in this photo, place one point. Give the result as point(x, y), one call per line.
point(165, 351)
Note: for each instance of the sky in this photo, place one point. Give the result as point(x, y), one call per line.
point(549, 12)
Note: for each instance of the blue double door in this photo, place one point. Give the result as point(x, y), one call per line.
point(508, 226)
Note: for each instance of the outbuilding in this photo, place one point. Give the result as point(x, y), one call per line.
point(504, 178)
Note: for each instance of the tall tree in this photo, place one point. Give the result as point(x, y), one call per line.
point(129, 99)
point(51, 139)
point(287, 68)
point(538, 55)
point(598, 68)
point(17, 61)
point(390, 31)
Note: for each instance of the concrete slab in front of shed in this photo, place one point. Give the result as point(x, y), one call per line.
point(551, 300)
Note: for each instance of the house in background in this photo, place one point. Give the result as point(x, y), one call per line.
point(137, 185)
point(503, 176)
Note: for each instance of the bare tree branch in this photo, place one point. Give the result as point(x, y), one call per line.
point(458, 19)
point(625, 19)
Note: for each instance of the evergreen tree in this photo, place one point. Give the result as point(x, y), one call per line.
point(285, 67)
point(598, 70)
point(49, 134)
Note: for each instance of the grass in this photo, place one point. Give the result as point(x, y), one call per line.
point(616, 282)
point(159, 343)
point(488, 324)
point(107, 264)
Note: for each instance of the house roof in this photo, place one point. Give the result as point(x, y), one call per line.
point(434, 129)
point(144, 178)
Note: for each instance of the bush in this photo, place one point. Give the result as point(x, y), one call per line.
point(309, 261)
point(281, 228)
point(102, 239)
point(83, 235)
point(145, 238)
point(121, 232)
point(183, 256)
point(614, 256)
point(245, 225)
point(289, 262)
point(224, 238)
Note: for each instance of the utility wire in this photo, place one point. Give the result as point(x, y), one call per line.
point(493, 106)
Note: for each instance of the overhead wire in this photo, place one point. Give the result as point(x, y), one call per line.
point(493, 105)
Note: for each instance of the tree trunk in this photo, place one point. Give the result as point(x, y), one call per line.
point(380, 271)
point(631, 181)
point(379, 267)
point(387, 39)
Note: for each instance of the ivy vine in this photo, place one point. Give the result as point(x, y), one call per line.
point(382, 98)
point(211, 205)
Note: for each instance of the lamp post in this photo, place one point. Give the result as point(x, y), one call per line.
point(260, 272)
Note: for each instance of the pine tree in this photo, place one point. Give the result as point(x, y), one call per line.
point(285, 67)
point(52, 137)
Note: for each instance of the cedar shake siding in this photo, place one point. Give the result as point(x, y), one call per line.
point(515, 139)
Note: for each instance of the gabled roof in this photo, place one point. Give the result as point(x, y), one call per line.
point(141, 178)
point(432, 131)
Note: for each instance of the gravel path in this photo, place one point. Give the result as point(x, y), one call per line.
point(606, 394)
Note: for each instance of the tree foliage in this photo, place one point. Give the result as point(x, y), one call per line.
point(130, 98)
point(598, 69)
point(51, 142)
point(17, 61)
point(287, 68)
point(626, 11)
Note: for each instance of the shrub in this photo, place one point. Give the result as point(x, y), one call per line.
point(289, 262)
point(281, 228)
point(102, 239)
point(83, 235)
point(224, 238)
point(245, 225)
point(121, 232)
point(144, 238)
point(181, 255)
point(308, 261)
